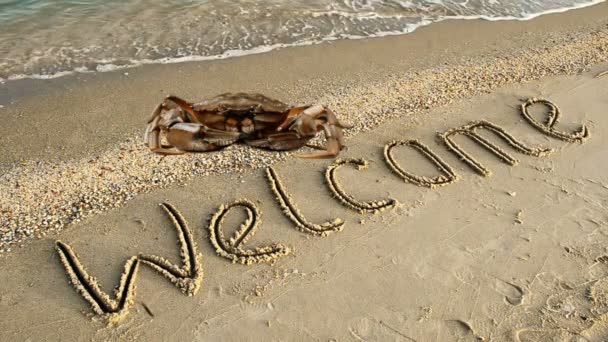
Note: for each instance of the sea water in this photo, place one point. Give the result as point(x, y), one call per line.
point(50, 38)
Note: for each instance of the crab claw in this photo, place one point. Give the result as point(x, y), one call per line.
point(335, 143)
point(331, 151)
point(287, 123)
point(292, 117)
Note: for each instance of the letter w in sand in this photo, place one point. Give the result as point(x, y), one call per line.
point(187, 278)
point(470, 130)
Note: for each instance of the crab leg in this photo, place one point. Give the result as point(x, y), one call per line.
point(298, 116)
point(185, 105)
point(333, 120)
point(332, 148)
point(219, 137)
point(151, 127)
point(325, 155)
point(155, 112)
point(152, 138)
point(280, 141)
point(152, 133)
point(188, 137)
point(322, 148)
point(310, 120)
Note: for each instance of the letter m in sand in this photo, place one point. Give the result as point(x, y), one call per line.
point(471, 130)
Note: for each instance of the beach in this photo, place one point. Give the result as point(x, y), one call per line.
point(516, 255)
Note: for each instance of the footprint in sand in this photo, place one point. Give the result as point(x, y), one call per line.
point(538, 335)
point(598, 332)
point(462, 331)
point(371, 329)
point(514, 294)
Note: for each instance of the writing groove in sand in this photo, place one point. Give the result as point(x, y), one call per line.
point(548, 128)
point(343, 197)
point(294, 215)
point(187, 278)
point(231, 249)
point(470, 130)
point(448, 175)
point(602, 74)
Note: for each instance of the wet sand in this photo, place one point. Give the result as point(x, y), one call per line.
point(517, 255)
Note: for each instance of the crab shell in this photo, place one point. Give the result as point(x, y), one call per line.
point(242, 102)
point(253, 118)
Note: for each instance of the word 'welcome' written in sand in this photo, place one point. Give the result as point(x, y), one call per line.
point(188, 277)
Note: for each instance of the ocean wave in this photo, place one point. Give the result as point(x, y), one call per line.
point(150, 33)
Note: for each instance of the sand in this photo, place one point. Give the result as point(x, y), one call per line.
point(509, 248)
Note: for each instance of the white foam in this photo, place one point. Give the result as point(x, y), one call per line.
point(109, 65)
point(525, 16)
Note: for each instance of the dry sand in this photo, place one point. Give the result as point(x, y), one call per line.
point(520, 255)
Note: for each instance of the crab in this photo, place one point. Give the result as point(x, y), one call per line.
point(254, 119)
